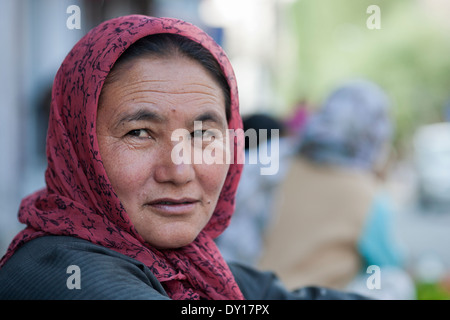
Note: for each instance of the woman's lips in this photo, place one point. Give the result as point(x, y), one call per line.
point(174, 206)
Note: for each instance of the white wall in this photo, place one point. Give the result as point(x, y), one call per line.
point(34, 40)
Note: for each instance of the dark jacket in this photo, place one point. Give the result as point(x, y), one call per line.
point(58, 267)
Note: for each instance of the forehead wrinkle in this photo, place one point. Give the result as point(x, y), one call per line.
point(139, 94)
point(147, 89)
point(139, 107)
point(170, 98)
point(182, 88)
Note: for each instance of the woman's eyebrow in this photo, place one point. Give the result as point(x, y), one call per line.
point(141, 115)
point(210, 117)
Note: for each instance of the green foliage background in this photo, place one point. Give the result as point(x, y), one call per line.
point(328, 42)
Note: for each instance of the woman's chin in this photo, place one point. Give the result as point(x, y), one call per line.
point(171, 240)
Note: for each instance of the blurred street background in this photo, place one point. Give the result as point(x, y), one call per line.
point(286, 53)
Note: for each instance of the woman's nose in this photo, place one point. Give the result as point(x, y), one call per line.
point(168, 170)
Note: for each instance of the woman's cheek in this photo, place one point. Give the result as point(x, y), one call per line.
point(212, 177)
point(126, 169)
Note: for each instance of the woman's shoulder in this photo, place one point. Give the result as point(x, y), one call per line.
point(60, 267)
point(265, 285)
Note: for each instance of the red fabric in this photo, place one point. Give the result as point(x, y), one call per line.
point(79, 201)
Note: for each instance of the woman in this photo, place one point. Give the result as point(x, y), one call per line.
point(119, 218)
point(332, 210)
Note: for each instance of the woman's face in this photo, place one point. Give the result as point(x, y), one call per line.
point(150, 98)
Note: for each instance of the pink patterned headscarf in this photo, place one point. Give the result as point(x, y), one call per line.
point(79, 200)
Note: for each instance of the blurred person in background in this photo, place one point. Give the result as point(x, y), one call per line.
point(243, 239)
point(334, 219)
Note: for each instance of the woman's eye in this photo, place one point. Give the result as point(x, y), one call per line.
point(198, 133)
point(204, 134)
point(139, 133)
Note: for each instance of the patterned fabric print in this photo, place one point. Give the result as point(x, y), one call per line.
point(79, 200)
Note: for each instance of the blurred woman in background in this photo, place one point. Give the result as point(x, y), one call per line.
point(333, 219)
